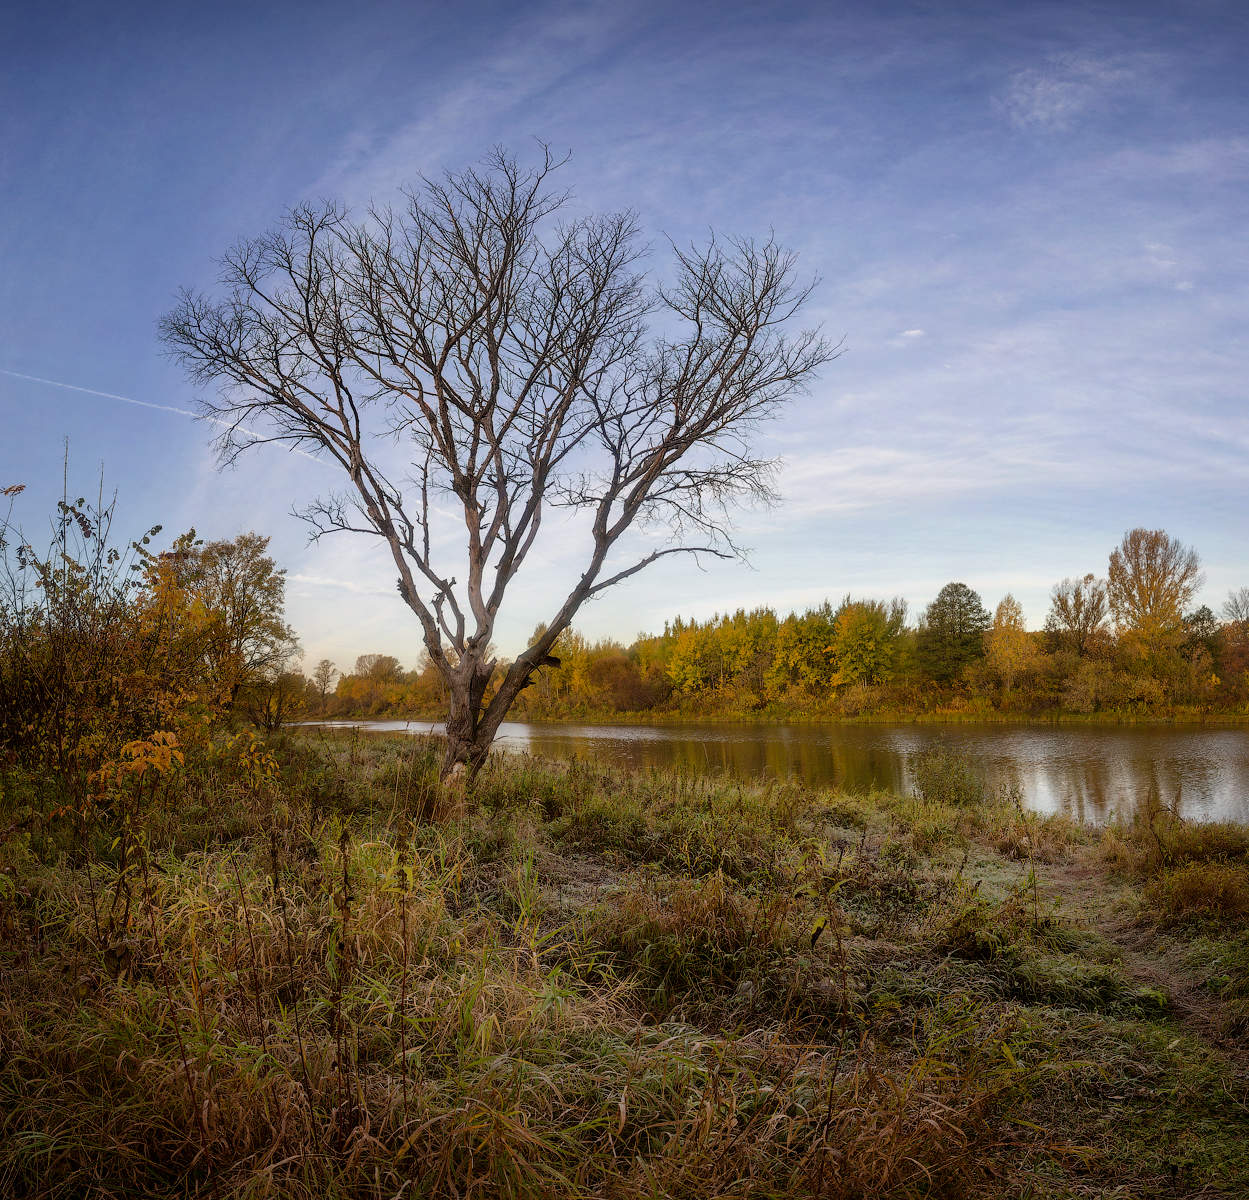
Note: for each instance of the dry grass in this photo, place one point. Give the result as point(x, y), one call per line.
point(1159, 840)
point(305, 987)
point(1200, 890)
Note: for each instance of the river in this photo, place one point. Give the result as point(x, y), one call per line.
point(1091, 772)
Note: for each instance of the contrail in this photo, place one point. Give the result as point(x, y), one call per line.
point(182, 412)
point(73, 387)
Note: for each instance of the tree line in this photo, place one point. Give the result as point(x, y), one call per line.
point(100, 645)
point(1123, 643)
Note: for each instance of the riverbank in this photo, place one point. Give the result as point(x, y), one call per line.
point(775, 717)
point(317, 972)
point(1094, 773)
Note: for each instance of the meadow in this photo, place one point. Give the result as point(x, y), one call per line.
point(302, 967)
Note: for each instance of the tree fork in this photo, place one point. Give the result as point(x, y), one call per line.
point(515, 358)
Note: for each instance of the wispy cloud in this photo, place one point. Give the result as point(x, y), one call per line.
point(1212, 159)
point(355, 586)
point(1054, 95)
point(376, 159)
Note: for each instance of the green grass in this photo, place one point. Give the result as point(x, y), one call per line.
point(341, 981)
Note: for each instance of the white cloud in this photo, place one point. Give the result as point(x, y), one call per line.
point(345, 585)
point(1160, 255)
point(499, 82)
point(1053, 96)
point(1214, 160)
point(913, 333)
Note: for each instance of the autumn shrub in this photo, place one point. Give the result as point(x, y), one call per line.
point(691, 943)
point(1200, 890)
point(1159, 840)
point(100, 648)
point(1098, 685)
point(80, 670)
point(1029, 836)
point(106, 645)
point(942, 776)
point(859, 699)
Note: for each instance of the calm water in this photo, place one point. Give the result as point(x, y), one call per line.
point(1088, 772)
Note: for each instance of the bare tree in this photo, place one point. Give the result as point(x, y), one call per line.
point(1077, 615)
point(520, 362)
point(383, 667)
point(1236, 607)
point(322, 677)
point(1151, 579)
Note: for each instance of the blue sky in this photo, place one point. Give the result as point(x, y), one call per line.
point(1028, 221)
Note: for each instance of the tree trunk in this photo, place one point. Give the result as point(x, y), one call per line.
point(465, 747)
point(468, 738)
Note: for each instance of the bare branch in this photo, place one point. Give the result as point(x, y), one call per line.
point(490, 352)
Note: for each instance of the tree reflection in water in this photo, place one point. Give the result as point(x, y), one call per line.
point(1091, 773)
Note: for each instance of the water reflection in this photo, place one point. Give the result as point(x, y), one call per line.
point(1089, 773)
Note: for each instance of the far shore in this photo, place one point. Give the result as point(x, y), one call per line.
point(1175, 719)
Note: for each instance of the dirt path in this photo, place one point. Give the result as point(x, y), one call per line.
point(1108, 906)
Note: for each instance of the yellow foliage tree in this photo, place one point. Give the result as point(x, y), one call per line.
point(1152, 577)
point(1010, 650)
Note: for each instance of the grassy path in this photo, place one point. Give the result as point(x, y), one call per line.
point(1095, 899)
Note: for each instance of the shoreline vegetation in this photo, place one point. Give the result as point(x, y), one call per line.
point(302, 967)
point(693, 720)
point(861, 661)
